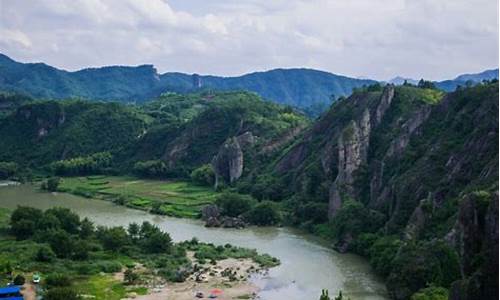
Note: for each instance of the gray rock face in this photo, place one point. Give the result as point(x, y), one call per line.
point(385, 102)
point(228, 163)
point(476, 233)
point(210, 211)
point(352, 151)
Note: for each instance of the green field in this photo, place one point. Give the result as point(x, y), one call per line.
point(173, 198)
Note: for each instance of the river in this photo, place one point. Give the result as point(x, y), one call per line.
point(307, 265)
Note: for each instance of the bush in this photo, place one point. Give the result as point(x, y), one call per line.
point(431, 293)
point(95, 163)
point(203, 175)
point(233, 204)
point(264, 213)
point(150, 168)
point(51, 184)
point(19, 280)
point(8, 169)
point(45, 254)
point(57, 280)
point(61, 293)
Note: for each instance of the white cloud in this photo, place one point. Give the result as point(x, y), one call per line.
point(379, 39)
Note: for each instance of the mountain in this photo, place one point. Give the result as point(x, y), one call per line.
point(451, 84)
point(405, 176)
point(478, 77)
point(296, 87)
point(398, 80)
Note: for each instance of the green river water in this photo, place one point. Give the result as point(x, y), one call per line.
point(307, 265)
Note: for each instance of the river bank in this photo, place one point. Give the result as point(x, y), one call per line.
point(306, 267)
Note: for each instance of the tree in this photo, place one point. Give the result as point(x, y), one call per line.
point(130, 277)
point(8, 169)
point(57, 280)
point(51, 184)
point(234, 204)
point(24, 221)
point(425, 84)
point(150, 168)
point(264, 213)
point(45, 254)
point(70, 221)
point(324, 295)
point(19, 280)
point(61, 243)
point(86, 228)
point(113, 238)
point(81, 250)
point(133, 230)
point(203, 175)
point(158, 242)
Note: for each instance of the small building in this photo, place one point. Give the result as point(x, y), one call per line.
point(11, 293)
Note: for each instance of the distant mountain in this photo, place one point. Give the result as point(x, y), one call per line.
point(297, 87)
point(398, 80)
point(451, 85)
point(486, 75)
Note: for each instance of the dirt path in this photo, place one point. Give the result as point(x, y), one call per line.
point(29, 291)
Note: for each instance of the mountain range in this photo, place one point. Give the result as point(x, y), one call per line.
point(300, 87)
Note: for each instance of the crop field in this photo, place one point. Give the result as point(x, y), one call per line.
point(173, 198)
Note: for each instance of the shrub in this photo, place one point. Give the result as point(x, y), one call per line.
point(57, 280)
point(51, 184)
point(45, 254)
point(431, 293)
point(233, 204)
point(150, 168)
point(203, 175)
point(264, 213)
point(61, 293)
point(95, 163)
point(8, 169)
point(19, 280)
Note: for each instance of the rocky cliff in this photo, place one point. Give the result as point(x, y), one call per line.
point(404, 160)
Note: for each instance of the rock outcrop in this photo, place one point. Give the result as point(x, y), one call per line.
point(352, 145)
point(228, 163)
point(475, 237)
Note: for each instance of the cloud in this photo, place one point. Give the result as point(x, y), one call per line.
point(378, 39)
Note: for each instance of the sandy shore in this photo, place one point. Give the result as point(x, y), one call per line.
point(208, 278)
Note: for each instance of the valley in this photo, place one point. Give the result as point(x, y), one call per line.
point(395, 174)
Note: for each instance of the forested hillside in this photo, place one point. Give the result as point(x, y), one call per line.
point(406, 176)
point(403, 175)
point(303, 88)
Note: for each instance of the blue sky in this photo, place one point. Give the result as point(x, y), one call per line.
point(434, 39)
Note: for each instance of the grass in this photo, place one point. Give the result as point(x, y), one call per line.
point(101, 287)
point(175, 198)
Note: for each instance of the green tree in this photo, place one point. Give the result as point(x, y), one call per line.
point(264, 213)
point(431, 293)
point(45, 254)
point(70, 221)
point(24, 221)
point(86, 228)
point(51, 184)
point(113, 238)
point(324, 295)
point(19, 280)
point(234, 204)
point(130, 277)
point(203, 175)
point(61, 243)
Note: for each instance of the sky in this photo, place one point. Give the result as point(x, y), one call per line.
point(432, 39)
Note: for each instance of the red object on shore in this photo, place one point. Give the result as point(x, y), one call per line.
point(216, 292)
